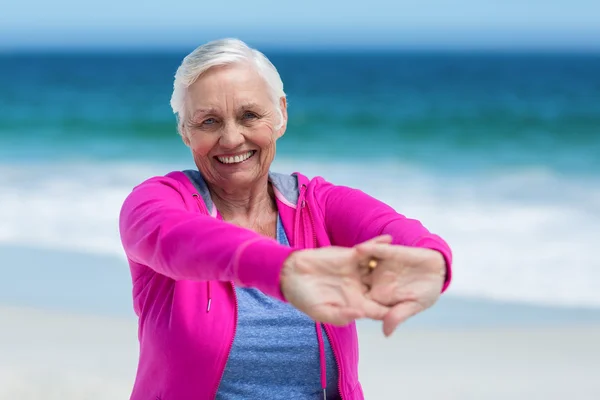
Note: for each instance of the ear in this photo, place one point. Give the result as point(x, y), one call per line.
point(284, 115)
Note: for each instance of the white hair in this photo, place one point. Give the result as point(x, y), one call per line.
point(220, 53)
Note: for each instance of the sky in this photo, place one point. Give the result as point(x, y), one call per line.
point(504, 24)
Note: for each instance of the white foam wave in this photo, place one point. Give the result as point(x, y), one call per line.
point(516, 235)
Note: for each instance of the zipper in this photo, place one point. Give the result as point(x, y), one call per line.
point(322, 359)
point(298, 218)
point(327, 333)
point(335, 357)
point(304, 205)
point(312, 223)
point(235, 316)
point(200, 203)
point(230, 343)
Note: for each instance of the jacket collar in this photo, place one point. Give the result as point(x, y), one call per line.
point(286, 188)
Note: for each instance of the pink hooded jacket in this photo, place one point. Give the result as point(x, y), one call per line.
point(185, 261)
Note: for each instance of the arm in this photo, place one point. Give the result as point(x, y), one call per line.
point(158, 231)
point(353, 217)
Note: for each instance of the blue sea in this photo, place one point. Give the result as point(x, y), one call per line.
point(497, 153)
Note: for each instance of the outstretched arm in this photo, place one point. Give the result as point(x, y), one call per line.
point(353, 217)
point(158, 231)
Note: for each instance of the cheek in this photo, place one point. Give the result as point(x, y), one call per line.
point(264, 137)
point(202, 144)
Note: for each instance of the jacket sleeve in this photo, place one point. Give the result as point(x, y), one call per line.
point(157, 230)
point(352, 217)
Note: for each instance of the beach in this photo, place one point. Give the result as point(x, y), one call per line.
point(499, 363)
point(76, 339)
point(496, 153)
point(61, 356)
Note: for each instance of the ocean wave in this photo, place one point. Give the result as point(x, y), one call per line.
point(522, 235)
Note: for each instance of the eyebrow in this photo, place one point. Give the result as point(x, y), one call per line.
point(212, 110)
point(201, 111)
point(250, 104)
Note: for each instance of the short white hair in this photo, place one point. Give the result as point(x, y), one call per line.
point(220, 53)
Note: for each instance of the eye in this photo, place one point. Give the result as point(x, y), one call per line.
point(249, 115)
point(209, 121)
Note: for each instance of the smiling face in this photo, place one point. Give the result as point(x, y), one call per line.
point(229, 124)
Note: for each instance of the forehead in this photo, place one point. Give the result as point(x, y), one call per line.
point(227, 86)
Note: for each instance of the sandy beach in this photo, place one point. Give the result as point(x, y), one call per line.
point(69, 333)
point(50, 355)
point(528, 363)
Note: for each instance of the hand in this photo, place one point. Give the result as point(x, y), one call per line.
point(407, 279)
point(326, 284)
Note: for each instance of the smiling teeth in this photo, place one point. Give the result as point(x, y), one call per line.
point(236, 159)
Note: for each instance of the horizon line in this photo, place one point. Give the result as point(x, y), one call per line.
point(317, 40)
point(305, 49)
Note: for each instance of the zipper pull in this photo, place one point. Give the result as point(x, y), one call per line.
point(208, 296)
point(324, 393)
point(302, 191)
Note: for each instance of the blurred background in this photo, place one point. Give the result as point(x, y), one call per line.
point(480, 118)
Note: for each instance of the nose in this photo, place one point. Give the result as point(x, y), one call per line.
point(231, 137)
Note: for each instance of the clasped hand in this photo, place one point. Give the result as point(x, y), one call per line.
point(336, 285)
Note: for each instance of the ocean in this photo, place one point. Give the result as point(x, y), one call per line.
point(497, 153)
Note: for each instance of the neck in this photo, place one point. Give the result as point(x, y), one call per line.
point(244, 202)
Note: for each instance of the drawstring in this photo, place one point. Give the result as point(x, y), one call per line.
point(209, 299)
point(323, 361)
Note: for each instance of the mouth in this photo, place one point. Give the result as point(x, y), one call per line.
point(235, 159)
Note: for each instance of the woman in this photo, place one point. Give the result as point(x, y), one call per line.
point(232, 264)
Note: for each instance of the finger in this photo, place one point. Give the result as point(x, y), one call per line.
point(336, 315)
point(344, 316)
point(382, 239)
point(398, 314)
point(365, 289)
point(362, 253)
point(377, 250)
point(367, 279)
point(374, 310)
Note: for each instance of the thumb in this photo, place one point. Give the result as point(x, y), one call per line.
point(374, 310)
point(364, 249)
point(399, 314)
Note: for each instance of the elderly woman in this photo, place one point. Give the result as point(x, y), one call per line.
point(247, 282)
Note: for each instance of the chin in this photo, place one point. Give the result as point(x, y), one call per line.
point(239, 177)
